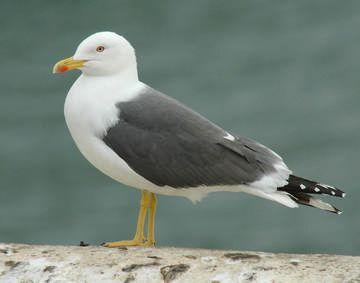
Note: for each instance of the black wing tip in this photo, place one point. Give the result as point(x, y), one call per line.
point(332, 191)
point(301, 185)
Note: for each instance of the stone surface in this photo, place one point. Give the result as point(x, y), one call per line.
point(40, 263)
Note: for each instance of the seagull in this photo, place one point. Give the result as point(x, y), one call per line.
point(147, 140)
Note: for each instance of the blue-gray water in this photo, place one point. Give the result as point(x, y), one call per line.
point(284, 73)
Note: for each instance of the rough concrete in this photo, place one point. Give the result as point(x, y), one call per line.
point(40, 263)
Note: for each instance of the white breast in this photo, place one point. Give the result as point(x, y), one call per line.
point(90, 109)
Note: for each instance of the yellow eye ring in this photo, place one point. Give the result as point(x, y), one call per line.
point(100, 48)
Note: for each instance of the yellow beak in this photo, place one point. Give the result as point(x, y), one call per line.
point(67, 65)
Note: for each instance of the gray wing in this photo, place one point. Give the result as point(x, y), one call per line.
point(169, 144)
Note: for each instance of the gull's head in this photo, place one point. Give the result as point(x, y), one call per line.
point(100, 54)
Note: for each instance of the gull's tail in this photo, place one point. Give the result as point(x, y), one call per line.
point(301, 191)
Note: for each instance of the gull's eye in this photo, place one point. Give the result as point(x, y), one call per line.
point(100, 48)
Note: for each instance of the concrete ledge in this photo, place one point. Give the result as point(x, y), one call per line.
point(40, 263)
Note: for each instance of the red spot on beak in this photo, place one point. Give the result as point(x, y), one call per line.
point(63, 69)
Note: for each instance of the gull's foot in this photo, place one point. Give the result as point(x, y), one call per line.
point(125, 243)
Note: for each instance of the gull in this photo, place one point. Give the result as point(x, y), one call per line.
point(147, 140)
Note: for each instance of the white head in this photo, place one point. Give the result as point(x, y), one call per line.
point(101, 54)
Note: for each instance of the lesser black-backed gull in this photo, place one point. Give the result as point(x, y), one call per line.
point(149, 141)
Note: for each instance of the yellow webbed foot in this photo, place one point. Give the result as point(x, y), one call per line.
point(148, 206)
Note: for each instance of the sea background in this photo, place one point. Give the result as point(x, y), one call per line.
point(285, 73)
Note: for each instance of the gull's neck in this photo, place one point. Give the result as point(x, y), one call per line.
point(121, 80)
point(122, 86)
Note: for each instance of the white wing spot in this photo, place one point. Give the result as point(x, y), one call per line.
point(302, 186)
point(229, 137)
point(333, 193)
point(316, 189)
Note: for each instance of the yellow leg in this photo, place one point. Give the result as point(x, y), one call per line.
point(150, 242)
point(139, 239)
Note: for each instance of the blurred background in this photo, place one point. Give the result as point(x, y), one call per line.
point(283, 73)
